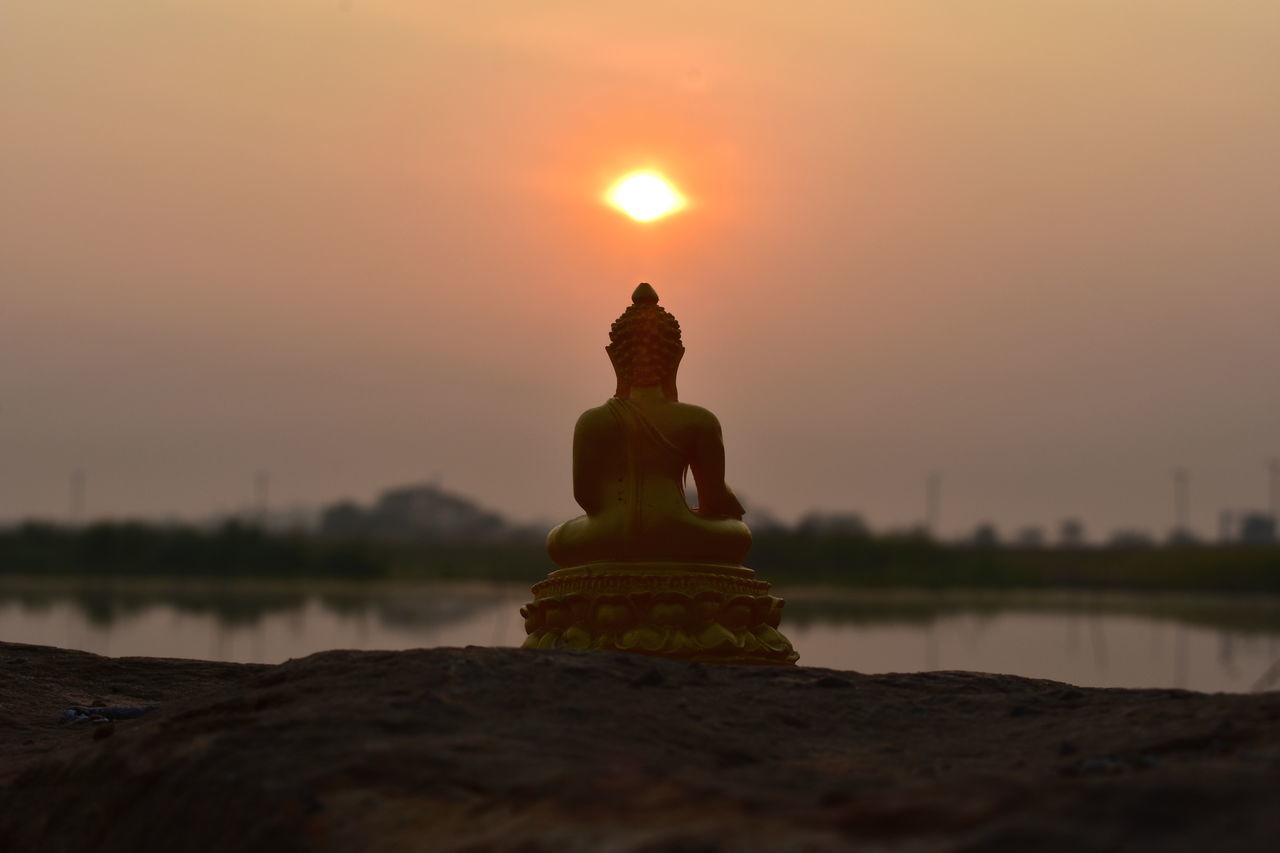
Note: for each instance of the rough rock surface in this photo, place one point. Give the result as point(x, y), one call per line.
point(503, 749)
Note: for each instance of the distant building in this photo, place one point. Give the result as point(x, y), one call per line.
point(1030, 537)
point(344, 519)
point(1247, 527)
point(985, 536)
point(1257, 528)
point(1130, 539)
point(415, 512)
point(1071, 533)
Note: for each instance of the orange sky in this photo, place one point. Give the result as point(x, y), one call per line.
point(358, 243)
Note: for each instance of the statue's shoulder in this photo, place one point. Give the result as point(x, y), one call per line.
point(597, 416)
point(697, 415)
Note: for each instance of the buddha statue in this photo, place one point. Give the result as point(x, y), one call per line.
point(642, 571)
point(631, 455)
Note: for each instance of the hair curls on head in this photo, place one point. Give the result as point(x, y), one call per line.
point(644, 342)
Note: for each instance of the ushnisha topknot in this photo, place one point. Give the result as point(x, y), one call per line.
point(644, 294)
point(645, 341)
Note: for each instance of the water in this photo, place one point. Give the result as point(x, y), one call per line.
point(1103, 640)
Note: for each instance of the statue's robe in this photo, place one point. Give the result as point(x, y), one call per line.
point(634, 497)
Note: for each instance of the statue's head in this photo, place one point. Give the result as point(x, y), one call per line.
point(644, 345)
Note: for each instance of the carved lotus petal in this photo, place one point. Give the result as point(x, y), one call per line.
point(760, 610)
point(533, 617)
point(774, 617)
point(737, 612)
point(576, 637)
point(613, 613)
point(670, 613)
point(771, 639)
point(644, 638)
point(707, 606)
point(716, 636)
point(558, 616)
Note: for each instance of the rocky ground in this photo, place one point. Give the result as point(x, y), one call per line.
point(502, 749)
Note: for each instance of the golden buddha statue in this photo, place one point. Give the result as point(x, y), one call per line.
point(631, 454)
point(642, 570)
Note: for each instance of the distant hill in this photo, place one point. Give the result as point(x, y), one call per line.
point(417, 512)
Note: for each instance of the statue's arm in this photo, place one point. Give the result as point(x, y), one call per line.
point(586, 467)
point(715, 498)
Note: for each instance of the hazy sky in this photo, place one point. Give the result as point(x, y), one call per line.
point(1032, 244)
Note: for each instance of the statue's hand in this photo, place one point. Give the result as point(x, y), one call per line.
point(722, 505)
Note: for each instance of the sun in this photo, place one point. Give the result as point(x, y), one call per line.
point(644, 196)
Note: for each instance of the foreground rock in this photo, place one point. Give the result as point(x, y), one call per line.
point(504, 749)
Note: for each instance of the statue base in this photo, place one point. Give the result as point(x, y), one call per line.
point(708, 612)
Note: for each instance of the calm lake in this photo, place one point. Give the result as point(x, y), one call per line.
point(1207, 643)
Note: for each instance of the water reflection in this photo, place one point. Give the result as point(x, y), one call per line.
point(1106, 640)
point(255, 622)
point(1196, 642)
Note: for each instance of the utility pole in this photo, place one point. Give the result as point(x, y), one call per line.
point(933, 503)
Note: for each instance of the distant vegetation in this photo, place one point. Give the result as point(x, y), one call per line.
point(131, 548)
point(786, 556)
point(794, 556)
point(423, 531)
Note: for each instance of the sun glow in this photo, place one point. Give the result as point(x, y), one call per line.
point(644, 196)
